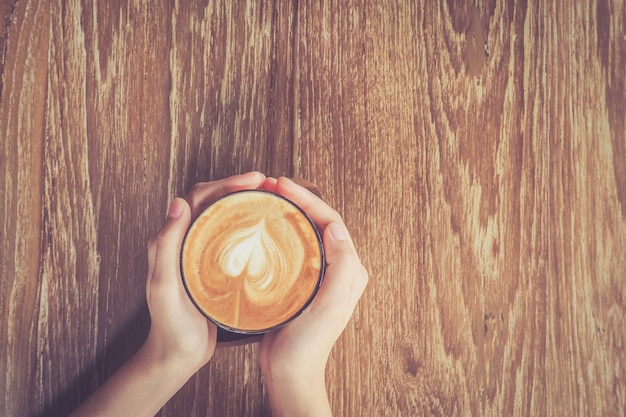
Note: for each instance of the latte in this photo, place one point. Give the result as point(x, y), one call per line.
point(252, 261)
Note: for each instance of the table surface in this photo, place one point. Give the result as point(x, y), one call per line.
point(477, 154)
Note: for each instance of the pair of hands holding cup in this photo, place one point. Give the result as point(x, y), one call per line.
point(181, 340)
point(325, 319)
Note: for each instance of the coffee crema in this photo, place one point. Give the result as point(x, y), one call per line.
point(252, 261)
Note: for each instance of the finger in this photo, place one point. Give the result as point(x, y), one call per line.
point(203, 194)
point(320, 212)
point(152, 249)
point(270, 184)
point(308, 185)
point(151, 261)
point(345, 278)
point(167, 246)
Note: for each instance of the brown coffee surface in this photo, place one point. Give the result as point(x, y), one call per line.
point(251, 261)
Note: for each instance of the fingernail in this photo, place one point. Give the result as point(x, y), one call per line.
point(175, 210)
point(338, 231)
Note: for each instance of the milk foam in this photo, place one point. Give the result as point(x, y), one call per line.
point(253, 254)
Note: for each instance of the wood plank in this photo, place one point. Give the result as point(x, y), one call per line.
point(22, 128)
point(442, 176)
point(586, 101)
point(334, 153)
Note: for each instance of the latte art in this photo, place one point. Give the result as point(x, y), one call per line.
point(252, 261)
point(251, 250)
point(253, 256)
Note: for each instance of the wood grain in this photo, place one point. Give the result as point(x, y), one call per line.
point(477, 152)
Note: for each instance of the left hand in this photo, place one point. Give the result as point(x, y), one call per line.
point(179, 333)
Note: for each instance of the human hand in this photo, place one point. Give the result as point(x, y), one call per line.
point(181, 339)
point(179, 333)
point(293, 358)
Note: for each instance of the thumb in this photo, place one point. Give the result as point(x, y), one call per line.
point(168, 242)
point(337, 243)
point(345, 277)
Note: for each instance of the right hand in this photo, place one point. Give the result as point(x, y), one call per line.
point(294, 357)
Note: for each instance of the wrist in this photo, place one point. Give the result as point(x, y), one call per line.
point(296, 393)
point(139, 388)
point(175, 366)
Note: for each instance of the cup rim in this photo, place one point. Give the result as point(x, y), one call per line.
point(277, 326)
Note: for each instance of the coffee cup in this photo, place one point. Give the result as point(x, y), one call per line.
point(251, 262)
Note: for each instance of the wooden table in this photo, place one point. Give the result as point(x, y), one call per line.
point(477, 153)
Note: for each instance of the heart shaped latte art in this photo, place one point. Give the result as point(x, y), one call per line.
point(252, 254)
